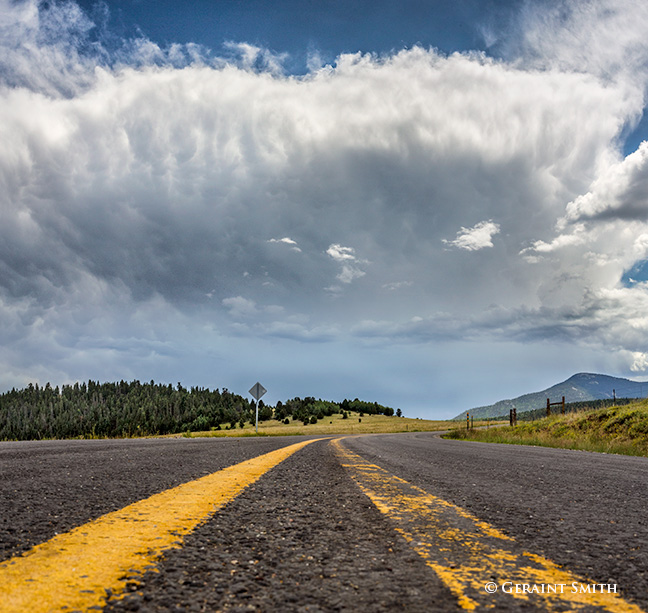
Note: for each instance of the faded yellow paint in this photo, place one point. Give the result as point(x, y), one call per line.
point(73, 570)
point(467, 553)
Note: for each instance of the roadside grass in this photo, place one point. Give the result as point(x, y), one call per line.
point(621, 430)
point(335, 424)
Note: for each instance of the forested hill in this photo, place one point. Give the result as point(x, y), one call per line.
point(137, 409)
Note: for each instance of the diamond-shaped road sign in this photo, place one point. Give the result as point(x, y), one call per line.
point(257, 390)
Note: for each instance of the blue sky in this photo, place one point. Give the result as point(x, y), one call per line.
point(299, 28)
point(434, 205)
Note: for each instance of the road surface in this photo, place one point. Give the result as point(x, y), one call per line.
point(406, 522)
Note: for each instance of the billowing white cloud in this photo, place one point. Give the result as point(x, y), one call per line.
point(341, 254)
point(350, 264)
point(602, 235)
point(620, 192)
point(286, 241)
point(478, 237)
point(140, 181)
point(575, 238)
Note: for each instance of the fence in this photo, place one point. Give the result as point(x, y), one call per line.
point(513, 417)
point(553, 404)
point(561, 403)
point(532, 414)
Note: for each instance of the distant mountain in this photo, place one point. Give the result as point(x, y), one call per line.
point(580, 387)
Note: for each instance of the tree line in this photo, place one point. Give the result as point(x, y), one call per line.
point(128, 409)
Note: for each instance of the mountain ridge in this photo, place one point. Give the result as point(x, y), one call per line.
point(578, 388)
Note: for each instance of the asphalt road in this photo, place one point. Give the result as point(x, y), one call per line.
point(585, 511)
point(305, 538)
point(49, 487)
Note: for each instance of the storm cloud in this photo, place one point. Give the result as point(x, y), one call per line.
point(156, 202)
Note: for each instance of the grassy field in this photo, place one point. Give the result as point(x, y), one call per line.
point(369, 424)
point(622, 430)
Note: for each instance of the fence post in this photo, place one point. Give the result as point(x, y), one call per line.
point(562, 409)
point(548, 408)
point(511, 417)
point(472, 422)
point(514, 416)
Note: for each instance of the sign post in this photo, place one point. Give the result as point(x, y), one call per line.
point(257, 390)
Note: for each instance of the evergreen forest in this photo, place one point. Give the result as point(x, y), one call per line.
point(93, 409)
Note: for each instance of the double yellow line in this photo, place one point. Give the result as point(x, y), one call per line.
point(472, 557)
point(73, 571)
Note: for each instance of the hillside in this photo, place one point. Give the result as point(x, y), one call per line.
point(578, 388)
point(609, 430)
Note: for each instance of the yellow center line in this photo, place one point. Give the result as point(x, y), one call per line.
point(467, 553)
point(73, 570)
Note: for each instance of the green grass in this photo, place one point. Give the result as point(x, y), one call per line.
point(621, 430)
